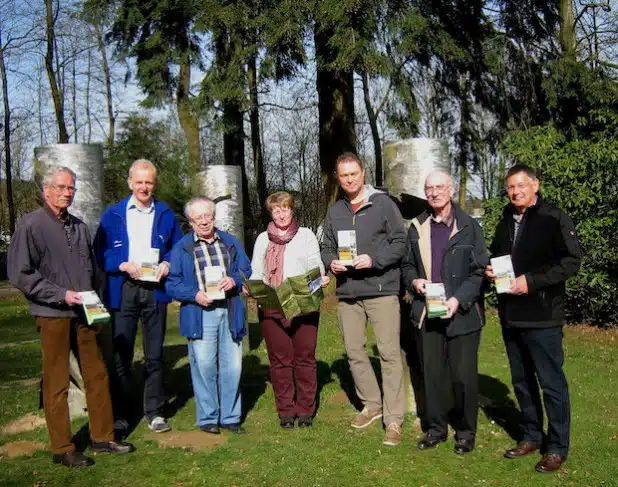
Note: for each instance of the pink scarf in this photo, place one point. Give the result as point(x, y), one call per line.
point(274, 252)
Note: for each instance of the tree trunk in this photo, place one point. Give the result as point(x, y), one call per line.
point(256, 142)
point(7, 142)
point(111, 132)
point(373, 124)
point(189, 124)
point(88, 112)
point(335, 111)
point(567, 28)
point(63, 136)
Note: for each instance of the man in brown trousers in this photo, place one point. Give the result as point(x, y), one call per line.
point(50, 260)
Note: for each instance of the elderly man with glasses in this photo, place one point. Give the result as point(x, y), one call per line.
point(446, 246)
point(51, 261)
point(206, 274)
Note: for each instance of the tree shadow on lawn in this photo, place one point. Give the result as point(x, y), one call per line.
point(252, 382)
point(495, 402)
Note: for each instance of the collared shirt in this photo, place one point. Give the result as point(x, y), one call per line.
point(206, 254)
point(139, 228)
point(64, 219)
point(441, 229)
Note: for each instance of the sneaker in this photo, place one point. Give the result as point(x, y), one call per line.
point(159, 425)
point(393, 435)
point(365, 418)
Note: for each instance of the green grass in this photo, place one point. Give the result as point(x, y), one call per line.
point(330, 454)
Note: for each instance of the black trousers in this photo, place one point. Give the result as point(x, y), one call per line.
point(536, 358)
point(450, 373)
point(138, 303)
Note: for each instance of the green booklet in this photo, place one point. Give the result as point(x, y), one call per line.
point(296, 295)
point(93, 308)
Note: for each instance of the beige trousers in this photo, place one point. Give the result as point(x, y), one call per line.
point(383, 313)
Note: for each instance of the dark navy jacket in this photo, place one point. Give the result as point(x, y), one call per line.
point(111, 246)
point(182, 285)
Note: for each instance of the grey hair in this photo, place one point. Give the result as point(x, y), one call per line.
point(442, 172)
point(142, 164)
point(197, 200)
point(51, 171)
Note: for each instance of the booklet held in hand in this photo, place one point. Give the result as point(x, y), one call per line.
point(503, 269)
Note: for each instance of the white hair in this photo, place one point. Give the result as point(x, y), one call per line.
point(51, 171)
point(196, 201)
point(142, 164)
point(440, 172)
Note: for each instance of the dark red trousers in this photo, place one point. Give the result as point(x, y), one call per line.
point(293, 368)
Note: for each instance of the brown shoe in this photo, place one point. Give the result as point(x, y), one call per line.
point(549, 463)
point(393, 435)
point(522, 449)
point(365, 418)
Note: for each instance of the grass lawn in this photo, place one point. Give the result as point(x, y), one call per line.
point(330, 454)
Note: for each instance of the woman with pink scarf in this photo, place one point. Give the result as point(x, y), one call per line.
point(285, 249)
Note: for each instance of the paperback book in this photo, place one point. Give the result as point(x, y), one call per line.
point(346, 246)
point(150, 266)
point(213, 275)
point(296, 295)
point(436, 300)
point(94, 310)
point(503, 269)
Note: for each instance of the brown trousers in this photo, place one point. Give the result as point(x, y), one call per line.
point(56, 337)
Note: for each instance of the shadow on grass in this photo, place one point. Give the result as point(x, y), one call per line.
point(254, 332)
point(341, 369)
point(498, 406)
point(252, 382)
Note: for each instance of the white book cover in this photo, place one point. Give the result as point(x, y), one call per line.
point(213, 275)
point(346, 246)
point(93, 307)
point(503, 269)
point(435, 297)
point(150, 266)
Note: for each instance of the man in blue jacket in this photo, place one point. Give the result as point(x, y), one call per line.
point(206, 277)
point(134, 234)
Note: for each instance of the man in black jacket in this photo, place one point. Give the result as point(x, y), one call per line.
point(543, 245)
point(445, 245)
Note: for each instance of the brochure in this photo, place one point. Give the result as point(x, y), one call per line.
point(149, 266)
point(503, 269)
point(93, 308)
point(346, 245)
point(213, 275)
point(296, 295)
point(436, 300)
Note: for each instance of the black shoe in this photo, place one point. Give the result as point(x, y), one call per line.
point(286, 422)
point(234, 428)
point(213, 429)
point(463, 446)
point(111, 447)
point(73, 459)
point(305, 421)
point(430, 441)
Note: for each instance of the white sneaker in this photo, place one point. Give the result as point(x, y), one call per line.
point(159, 425)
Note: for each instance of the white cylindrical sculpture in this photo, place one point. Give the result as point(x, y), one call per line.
point(408, 162)
point(86, 160)
point(223, 184)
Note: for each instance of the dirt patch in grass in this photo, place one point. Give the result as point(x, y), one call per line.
point(339, 398)
point(21, 448)
point(28, 422)
point(191, 440)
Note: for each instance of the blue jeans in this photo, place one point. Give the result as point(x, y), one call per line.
point(216, 363)
point(536, 358)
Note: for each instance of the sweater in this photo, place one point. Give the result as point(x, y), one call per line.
point(43, 266)
point(301, 254)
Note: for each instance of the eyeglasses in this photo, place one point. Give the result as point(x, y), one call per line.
point(61, 188)
point(281, 211)
point(203, 219)
point(519, 186)
point(440, 188)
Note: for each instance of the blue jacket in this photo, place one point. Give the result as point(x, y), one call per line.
point(111, 246)
point(182, 285)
